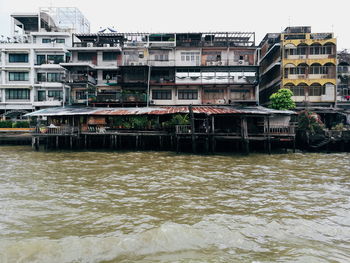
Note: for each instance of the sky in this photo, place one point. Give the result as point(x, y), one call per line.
point(259, 16)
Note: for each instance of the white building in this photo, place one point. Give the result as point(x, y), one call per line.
point(30, 75)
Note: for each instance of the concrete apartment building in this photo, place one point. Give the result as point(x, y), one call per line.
point(301, 61)
point(30, 73)
point(139, 69)
point(343, 81)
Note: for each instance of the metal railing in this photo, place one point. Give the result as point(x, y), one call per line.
point(81, 78)
point(275, 129)
point(183, 129)
point(56, 130)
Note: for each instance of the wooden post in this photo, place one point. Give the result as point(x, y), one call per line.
point(71, 141)
point(193, 137)
point(244, 135)
point(268, 135)
point(293, 144)
point(56, 142)
point(85, 141)
point(177, 144)
point(37, 145)
point(212, 130)
point(137, 142)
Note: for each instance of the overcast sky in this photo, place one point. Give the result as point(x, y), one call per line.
point(259, 16)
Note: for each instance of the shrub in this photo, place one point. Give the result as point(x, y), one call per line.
point(282, 100)
point(309, 121)
point(20, 124)
point(5, 124)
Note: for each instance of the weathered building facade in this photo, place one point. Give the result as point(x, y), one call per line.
point(139, 69)
point(301, 61)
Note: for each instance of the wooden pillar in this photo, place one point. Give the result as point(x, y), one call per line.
point(177, 144)
point(137, 142)
point(268, 135)
point(212, 137)
point(85, 141)
point(160, 142)
point(294, 144)
point(56, 142)
point(244, 135)
point(37, 144)
point(33, 142)
point(172, 142)
point(193, 137)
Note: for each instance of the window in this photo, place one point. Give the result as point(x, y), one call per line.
point(86, 56)
point(298, 90)
point(188, 94)
point(161, 94)
point(18, 58)
point(56, 94)
point(60, 40)
point(53, 77)
point(108, 56)
point(17, 94)
point(212, 94)
point(41, 77)
point(40, 59)
point(110, 75)
point(55, 59)
point(46, 40)
point(18, 76)
point(41, 95)
point(239, 94)
point(161, 57)
point(316, 90)
point(81, 94)
point(189, 56)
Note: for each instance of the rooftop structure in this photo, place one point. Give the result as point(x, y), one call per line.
point(50, 19)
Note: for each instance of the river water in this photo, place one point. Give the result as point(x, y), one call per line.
point(163, 207)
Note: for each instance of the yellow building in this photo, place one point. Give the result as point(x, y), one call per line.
point(304, 62)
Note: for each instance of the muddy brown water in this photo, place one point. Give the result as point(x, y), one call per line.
point(164, 207)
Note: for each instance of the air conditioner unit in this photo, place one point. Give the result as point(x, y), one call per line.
point(90, 44)
point(219, 63)
point(240, 62)
point(141, 63)
point(106, 45)
point(132, 63)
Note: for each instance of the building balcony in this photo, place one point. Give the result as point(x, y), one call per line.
point(81, 79)
point(161, 63)
point(50, 102)
point(162, 44)
point(140, 62)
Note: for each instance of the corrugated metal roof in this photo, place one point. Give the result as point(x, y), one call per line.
point(208, 110)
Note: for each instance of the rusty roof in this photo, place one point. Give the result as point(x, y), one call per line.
point(163, 110)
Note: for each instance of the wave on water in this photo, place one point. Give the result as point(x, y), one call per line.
point(168, 238)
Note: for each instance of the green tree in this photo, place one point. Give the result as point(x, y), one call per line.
point(282, 100)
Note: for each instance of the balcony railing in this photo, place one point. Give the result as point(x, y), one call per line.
point(56, 130)
point(276, 129)
point(81, 78)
